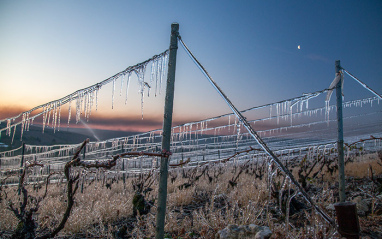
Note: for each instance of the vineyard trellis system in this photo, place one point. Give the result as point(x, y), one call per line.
point(295, 129)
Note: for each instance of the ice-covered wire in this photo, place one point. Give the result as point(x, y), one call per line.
point(77, 94)
point(363, 84)
point(148, 137)
point(10, 151)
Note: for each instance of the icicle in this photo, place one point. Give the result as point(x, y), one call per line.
point(69, 111)
point(235, 125)
point(190, 131)
point(229, 122)
point(122, 80)
point(127, 86)
point(78, 107)
point(91, 104)
point(87, 105)
point(23, 122)
point(270, 111)
point(49, 112)
point(327, 111)
point(112, 94)
point(28, 122)
point(55, 117)
point(86, 96)
point(96, 92)
point(8, 131)
point(140, 73)
point(238, 134)
point(155, 75)
point(151, 78)
point(59, 115)
point(43, 118)
point(160, 68)
point(283, 109)
point(14, 132)
point(165, 59)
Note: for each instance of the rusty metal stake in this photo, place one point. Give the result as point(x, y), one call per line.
point(347, 218)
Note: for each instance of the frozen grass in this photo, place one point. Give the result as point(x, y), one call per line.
point(198, 211)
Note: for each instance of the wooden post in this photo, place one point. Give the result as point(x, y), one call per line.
point(340, 136)
point(84, 153)
point(21, 165)
point(166, 135)
point(22, 156)
point(123, 174)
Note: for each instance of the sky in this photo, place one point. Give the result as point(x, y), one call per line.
point(49, 49)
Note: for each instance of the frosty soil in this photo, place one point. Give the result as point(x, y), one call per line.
point(206, 199)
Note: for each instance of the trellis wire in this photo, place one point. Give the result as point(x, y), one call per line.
point(84, 97)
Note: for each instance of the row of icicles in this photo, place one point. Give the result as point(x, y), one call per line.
point(87, 97)
point(190, 131)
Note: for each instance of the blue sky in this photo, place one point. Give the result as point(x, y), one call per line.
point(49, 49)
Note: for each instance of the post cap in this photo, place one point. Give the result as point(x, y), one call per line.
point(337, 66)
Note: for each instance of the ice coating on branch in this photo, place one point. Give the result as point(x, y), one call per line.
point(290, 197)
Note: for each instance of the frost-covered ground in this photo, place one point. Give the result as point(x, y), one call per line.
point(204, 200)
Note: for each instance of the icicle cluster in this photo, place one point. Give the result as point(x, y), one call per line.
point(87, 97)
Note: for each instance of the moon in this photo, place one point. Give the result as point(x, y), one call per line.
point(299, 47)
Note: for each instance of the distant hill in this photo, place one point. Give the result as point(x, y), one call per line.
point(35, 136)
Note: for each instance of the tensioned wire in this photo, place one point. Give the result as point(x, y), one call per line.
point(363, 84)
point(256, 136)
point(75, 95)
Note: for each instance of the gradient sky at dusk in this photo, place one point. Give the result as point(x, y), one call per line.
point(49, 49)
